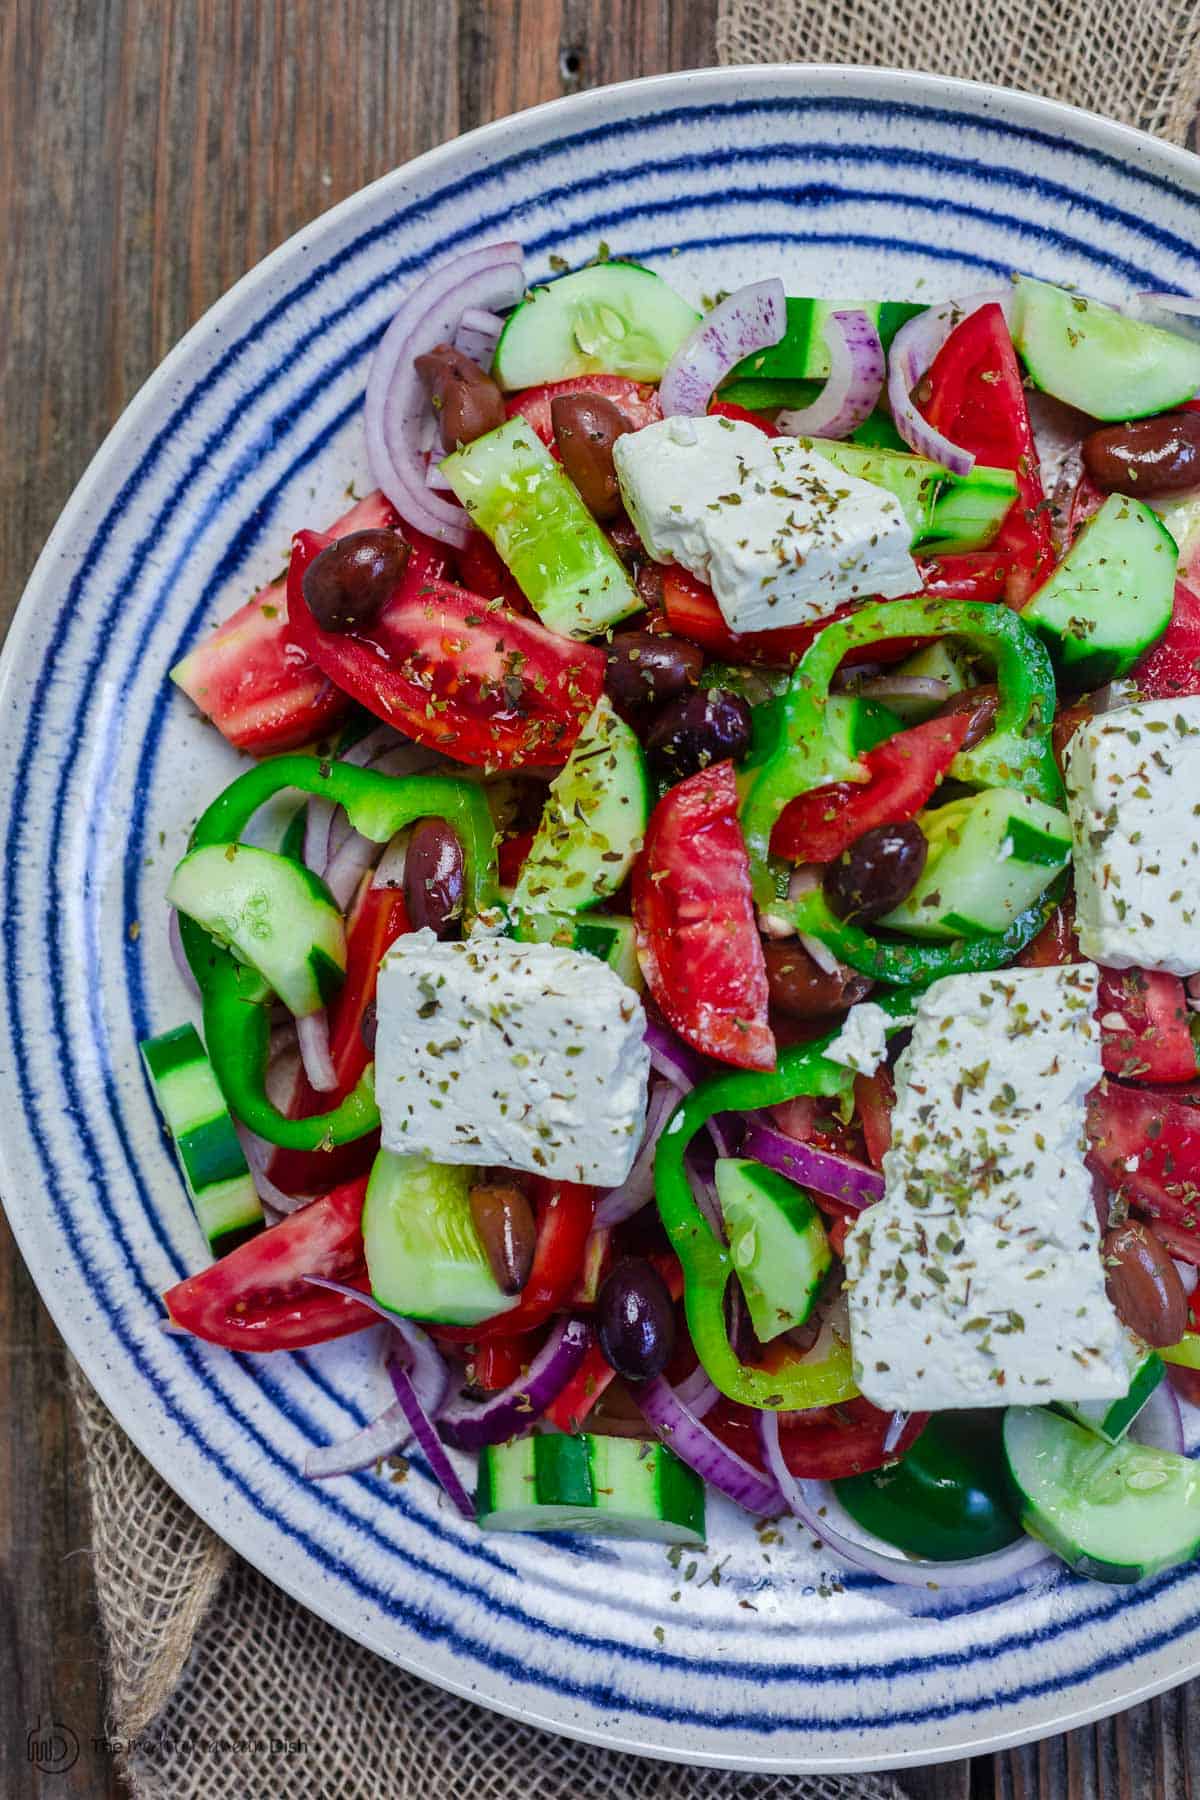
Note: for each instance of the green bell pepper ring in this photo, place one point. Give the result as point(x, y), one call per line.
point(237, 1001)
point(794, 751)
point(706, 1261)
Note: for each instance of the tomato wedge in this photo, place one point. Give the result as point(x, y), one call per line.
point(637, 400)
point(966, 575)
point(822, 1445)
point(564, 1222)
point(251, 677)
point(481, 571)
point(692, 612)
point(1172, 669)
point(874, 1101)
point(697, 939)
point(976, 398)
point(377, 918)
point(725, 409)
point(905, 770)
point(1148, 1145)
point(452, 672)
point(256, 1298)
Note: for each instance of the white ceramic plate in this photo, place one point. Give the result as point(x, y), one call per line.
point(845, 182)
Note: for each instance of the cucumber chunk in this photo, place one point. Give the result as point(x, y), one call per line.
point(857, 725)
point(1101, 361)
point(609, 938)
point(593, 822)
point(560, 559)
point(777, 1244)
point(1111, 1419)
point(424, 1255)
point(1114, 1512)
point(604, 1486)
point(802, 353)
point(944, 511)
point(1110, 598)
point(613, 319)
point(273, 913)
point(991, 856)
point(939, 661)
point(215, 1171)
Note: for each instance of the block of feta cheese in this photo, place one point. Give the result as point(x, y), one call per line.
point(977, 1280)
point(528, 1056)
point(780, 534)
point(861, 1044)
point(1133, 794)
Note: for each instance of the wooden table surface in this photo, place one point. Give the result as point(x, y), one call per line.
point(150, 152)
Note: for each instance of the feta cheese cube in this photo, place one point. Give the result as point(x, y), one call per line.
point(528, 1056)
point(782, 536)
point(1133, 794)
point(861, 1044)
point(978, 1280)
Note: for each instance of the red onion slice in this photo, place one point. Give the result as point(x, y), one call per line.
point(384, 1436)
point(694, 1444)
point(396, 403)
point(389, 870)
point(510, 1413)
point(697, 1392)
point(1172, 312)
point(318, 823)
point(478, 334)
point(857, 367)
point(672, 1057)
point(349, 864)
point(815, 1503)
point(840, 1178)
point(258, 1154)
point(425, 1432)
point(753, 318)
point(312, 1035)
point(1159, 1425)
point(925, 688)
point(638, 1186)
point(913, 349)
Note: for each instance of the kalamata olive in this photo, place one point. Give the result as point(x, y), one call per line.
point(1147, 456)
point(877, 872)
point(980, 705)
point(504, 1220)
point(801, 989)
point(635, 1320)
point(467, 401)
point(586, 426)
point(368, 1026)
point(1144, 1286)
point(697, 729)
point(645, 669)
point(347, 586)
point(433, 877)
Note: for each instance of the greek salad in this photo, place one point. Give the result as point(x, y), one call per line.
point(707, 946)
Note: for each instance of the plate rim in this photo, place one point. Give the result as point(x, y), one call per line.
point(1128, 145)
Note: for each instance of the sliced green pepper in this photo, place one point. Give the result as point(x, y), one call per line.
point(706, 1262)
point(794, 750)
point(237, 1002)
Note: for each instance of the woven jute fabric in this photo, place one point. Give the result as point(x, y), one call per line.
point(1135, 60)
point(222, 1688)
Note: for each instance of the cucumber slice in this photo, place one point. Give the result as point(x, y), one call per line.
point(939, 661)
point(1111, 1419)
point(273, 913)
point(777, 1244)
point(1101, 361)
point(1114, 1512)
point(991, 855)
point(607, 937)
point(1110, 598)
point(215, 1171)
point(424, 1255)
point(857, 725)
point(559, 557)
point(604, 1486)
point(613, 319)
point(944, 511)
point(593, 822)
point(802, 353)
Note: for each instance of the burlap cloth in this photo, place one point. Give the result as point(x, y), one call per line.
point(200, 1646)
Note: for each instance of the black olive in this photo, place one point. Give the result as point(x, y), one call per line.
point(695, 730)
point(635, 1320)
point(877, 872)
point(347, 586)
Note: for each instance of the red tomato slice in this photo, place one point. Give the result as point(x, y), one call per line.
point(439, 664)
point(697, 939)
point(725, 409)
point(1172, 668)
point(376, 920)
point(1148, 1144)
point(637, 400)
point(905, 770)
point(692, 612)
point(250, 676)
point(482, 572)
point(977, 399)
point(874, 1099)
point(256, 1298)
point(966, 575)
point(822, 1445)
